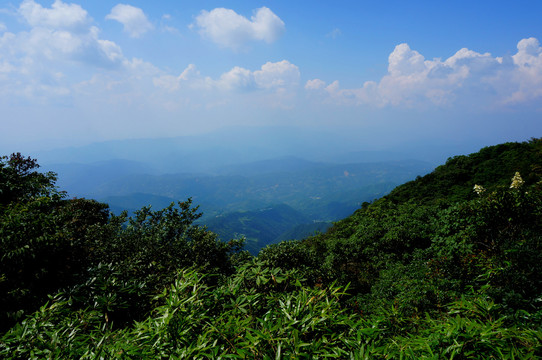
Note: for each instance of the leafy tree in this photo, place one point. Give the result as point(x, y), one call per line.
point(41, 236)
point(49, 243)
point(20, 180)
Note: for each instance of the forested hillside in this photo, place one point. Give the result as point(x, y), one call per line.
point(232, 197)
point(446, 266)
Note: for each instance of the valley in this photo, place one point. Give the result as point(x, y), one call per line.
point(303, 196)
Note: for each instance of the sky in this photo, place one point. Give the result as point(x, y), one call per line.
point(390, 72)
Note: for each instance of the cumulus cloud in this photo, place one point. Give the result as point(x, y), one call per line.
point(172, 83)
point(528, 61)
point(280, 75)
point(59, 16)
point(63, 32)
point(133, 19)
point(272, 76)
point(467, 77)
point(46, 60)
point(237, 78)
point(229, 29)
point(404, 61)
point(315, 84)
point(62, 56)
point(277, 75)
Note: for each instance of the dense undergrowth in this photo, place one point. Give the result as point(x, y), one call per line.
point(450, 271)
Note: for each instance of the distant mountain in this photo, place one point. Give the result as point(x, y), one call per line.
point(309, 189)
point(260, 227)
point(208, 152)
point(318, 192)
point(231, 204)
point(211, 152)
point(236, 170)
point(287, 164)
point(82, 180)
point(136, 201)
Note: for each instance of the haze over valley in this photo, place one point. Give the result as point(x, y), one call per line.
point(252, 183)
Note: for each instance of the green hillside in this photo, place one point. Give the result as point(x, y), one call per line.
point(415, 217)
point(438, 269)
point(231, 202)
point(259, 228)
point(491, 167)
point(309, 188)
point(265, 226)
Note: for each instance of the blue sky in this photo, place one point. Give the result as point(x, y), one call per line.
point(391, 71)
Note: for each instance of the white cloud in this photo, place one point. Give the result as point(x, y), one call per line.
point(280, 74)
point(172, 83)
point(3, 27)
point(333, 92)
point(6, 67)
point(237, 78)
point(315, 84)
point(274, 85)
point(403, 61)
point(229, 29)
point(271, 76)
point(59, 34)
point(59, 16)
point(133, 19)
point(63, 59)
point(468, 78)
point(528, 61)
point(108, 51)
point(60, 48)
point(333, 34)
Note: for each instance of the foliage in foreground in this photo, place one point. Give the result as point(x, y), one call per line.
point(50, 243)
point(269, 313)
point(416, 279)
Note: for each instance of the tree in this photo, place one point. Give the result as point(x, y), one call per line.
point(20, 180)
point(42, 236)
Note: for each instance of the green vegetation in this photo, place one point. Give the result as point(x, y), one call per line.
point(49, 243)
point(439, 268)
point(232, 197)
point(265, 226)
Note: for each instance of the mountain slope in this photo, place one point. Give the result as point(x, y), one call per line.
point(490, 167)
point(260, 227)
point(431, 240)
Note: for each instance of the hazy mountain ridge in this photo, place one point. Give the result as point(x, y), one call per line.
point(321, 192)
point(260, 227)
point(322, 175)
point(314, 180)
point(212, 151)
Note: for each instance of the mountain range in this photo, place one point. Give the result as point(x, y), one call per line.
point(236, 174)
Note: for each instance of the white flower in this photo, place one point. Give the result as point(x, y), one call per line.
point(517, 181)
point(479, 189)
